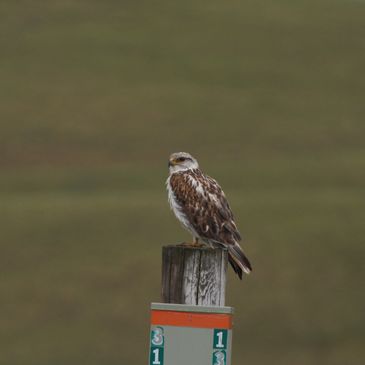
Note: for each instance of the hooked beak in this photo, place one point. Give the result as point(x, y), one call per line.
point(171, 163)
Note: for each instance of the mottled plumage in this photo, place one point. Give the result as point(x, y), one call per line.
point(201, 206)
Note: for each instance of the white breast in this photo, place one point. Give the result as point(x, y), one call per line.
point(176, 208)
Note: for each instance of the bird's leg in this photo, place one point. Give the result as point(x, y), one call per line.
point(195, 243)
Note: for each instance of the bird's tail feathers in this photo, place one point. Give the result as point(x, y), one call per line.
point(235, 267)
point(238, 260)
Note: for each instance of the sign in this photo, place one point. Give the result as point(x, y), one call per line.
point(156, 348)
point(183, 334)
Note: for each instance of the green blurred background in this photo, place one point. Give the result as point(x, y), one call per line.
point(94, 96)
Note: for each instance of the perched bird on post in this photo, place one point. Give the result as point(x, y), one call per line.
point(200, 205)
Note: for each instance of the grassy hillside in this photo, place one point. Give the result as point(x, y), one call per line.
point(95, 95)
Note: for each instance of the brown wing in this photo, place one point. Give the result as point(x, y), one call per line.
point(205, 206)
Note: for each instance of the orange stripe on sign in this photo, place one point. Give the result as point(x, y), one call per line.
point(188, 319)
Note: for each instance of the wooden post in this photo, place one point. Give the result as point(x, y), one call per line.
point(194, 275)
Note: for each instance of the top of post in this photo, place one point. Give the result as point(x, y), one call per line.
point(194, 275)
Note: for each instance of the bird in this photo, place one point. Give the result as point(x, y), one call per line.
point(201, 206)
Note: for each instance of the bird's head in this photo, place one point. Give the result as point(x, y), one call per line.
point(180, 161)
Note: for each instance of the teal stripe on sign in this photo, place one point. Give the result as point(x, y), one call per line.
point(156, 355)
point(157, 336)
point(219, 357)
point(220, 339)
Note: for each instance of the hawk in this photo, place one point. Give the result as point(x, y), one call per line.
point(199, 203)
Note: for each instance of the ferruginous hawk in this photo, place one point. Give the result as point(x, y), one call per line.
point(200, 205)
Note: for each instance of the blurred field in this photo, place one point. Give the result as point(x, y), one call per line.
point(94, 96)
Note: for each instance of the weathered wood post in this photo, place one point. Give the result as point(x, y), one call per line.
point(194, 275)
point(192, 325)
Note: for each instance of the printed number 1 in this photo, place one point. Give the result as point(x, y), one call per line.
point(220, 340)
point(156, 361)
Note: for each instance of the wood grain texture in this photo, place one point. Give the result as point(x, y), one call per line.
point(194, 275)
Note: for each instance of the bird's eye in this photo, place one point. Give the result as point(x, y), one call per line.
point(181, 159)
